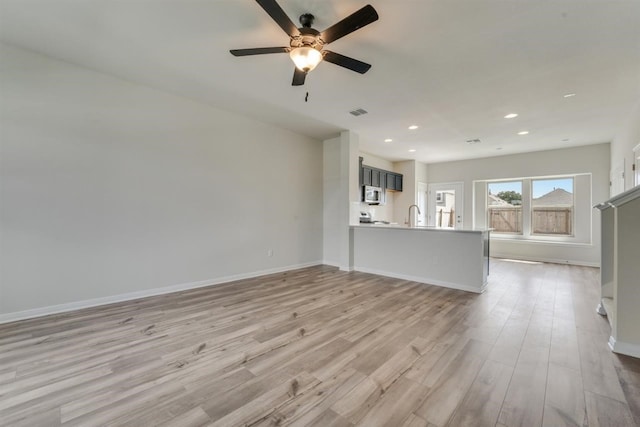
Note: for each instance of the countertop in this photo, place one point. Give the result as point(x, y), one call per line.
point(420, 228)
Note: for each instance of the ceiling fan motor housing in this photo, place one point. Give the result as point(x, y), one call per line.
point(308, 37)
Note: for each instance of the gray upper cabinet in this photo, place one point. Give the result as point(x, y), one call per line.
point(393, 181)
point(375, 177)
point(367, 175)
point(380, 178)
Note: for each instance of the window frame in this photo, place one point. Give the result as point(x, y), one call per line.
point(489, 225)
point(581, 196)
point(573, 208)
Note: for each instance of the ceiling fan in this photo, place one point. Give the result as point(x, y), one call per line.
point(306, 43)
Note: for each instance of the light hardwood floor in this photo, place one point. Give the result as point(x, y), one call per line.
point(320, 347)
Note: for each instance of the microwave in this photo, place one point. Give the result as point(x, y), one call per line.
point(372, 195)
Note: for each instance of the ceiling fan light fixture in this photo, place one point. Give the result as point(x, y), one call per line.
point(306, 58)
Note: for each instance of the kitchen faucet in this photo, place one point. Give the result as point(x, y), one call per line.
point(414, 223)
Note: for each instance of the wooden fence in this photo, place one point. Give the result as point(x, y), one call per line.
point(506, 220)
point(551, 220)
point(544, 220)
point(449, 222)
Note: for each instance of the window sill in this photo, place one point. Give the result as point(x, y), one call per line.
point(520, 240)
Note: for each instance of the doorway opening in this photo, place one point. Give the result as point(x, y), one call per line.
point(445, 205)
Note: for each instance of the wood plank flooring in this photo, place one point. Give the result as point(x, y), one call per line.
point(321, 347)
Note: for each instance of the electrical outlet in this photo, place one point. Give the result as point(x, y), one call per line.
point(269, 252)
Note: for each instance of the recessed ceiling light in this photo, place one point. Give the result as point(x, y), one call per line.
point(569, 95)
point(510, 116)
point(388, 140)
point(413, 127)
point(524, 132)
point(413, 150)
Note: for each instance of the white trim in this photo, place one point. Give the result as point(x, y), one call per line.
point(94, 302)
point(620, 199)
point(517, 238)
point(424, 280)
point(337, 264)
point(495, 254)
point(331, 263)
point(624, 347)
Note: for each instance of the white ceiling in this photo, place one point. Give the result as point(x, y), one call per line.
point(454, 68)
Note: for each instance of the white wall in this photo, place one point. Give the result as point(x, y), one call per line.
point(422, 172)
point(341, 198)
point(592, 159)
point(335, 207)
point(111, 188)
point(412, 173)
point(623, 144)
point(407, 197)
point(379, 212)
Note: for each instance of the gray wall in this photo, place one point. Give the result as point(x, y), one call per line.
point(110, 188)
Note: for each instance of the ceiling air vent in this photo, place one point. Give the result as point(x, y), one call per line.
point(473, 141)
point(358, 112)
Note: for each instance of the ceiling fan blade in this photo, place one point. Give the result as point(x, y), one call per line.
point(351, 23)
point(259, 51)
point(346, 62)
point(277, 14)
point(298, 77)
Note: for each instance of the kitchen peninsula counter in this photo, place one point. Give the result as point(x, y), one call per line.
point(456, 259)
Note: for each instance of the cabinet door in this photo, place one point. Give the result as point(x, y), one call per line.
point(391, 181)
point(375, 177)
point(366, 176)
point(398, 182)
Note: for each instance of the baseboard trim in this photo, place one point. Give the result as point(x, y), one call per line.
point(95, 302)
point(337, 265)
point(625, 348)
point(549, 260)
point(424, 280)
point(331, 263)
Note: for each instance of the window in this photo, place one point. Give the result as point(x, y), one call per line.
point(504, 207)
point(539, 208)
point(552, 206)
